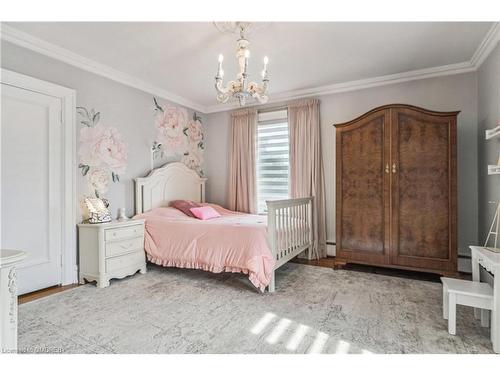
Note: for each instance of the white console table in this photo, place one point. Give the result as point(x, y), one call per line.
point(9, 259)
point(491, 262)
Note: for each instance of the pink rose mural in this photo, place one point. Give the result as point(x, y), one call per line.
point(180, 138)
point(170, 124)
point(102, 152)
point(194, 131)
point(99, 179)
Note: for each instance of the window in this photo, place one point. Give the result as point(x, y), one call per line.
point(272, 157)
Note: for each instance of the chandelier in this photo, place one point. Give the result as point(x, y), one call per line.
point(240, 88)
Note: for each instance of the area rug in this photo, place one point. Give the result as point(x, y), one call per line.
point(314, 310)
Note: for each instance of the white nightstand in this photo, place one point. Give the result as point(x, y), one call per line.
point(111, 250)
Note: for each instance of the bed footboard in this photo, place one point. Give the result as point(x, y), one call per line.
point(289, 223)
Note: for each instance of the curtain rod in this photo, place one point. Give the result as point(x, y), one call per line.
point(273, 109)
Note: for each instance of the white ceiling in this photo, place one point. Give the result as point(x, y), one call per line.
point(181, 57)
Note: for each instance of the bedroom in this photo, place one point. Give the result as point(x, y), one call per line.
point(267, 187)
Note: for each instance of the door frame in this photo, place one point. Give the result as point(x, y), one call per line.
point(67, 96)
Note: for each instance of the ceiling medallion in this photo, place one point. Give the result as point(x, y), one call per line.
point(240, 88)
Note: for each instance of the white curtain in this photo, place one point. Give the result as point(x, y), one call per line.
point(242, 194)
point(306, 166)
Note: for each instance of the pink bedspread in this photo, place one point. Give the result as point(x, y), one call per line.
point(235, 242)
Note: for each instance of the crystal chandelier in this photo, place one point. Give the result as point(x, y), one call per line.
point(240, 88)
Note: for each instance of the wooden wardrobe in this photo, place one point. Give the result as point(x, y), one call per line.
point(396, 189)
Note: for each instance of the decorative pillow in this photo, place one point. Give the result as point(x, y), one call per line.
point(184, 206)
point(204, 213)
point(170, 212)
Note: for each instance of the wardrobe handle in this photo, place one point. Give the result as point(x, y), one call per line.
point(394, 168)
point(387, 168)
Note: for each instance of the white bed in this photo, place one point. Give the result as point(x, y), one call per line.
point(288, 221)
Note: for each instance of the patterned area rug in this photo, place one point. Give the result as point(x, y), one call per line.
point(314, 310)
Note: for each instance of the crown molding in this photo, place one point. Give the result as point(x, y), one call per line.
point(14, 36)
point(486, 46)
point(17, 37)
point(459, 68)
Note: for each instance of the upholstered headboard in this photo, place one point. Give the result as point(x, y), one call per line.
point(170, 182)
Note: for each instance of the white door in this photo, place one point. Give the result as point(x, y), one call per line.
point(31, 184)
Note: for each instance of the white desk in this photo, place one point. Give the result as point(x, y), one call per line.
point(491, 262)
point(9, 259)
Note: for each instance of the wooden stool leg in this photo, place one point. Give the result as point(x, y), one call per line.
point(485, 318)
point(445, 302)
point(452, 313)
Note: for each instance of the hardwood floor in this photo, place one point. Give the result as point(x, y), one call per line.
point(328, 262)
point(28, 297)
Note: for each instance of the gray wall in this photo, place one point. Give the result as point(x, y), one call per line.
point(128, 109)
point(457, 92)
point(131, 111)
point(488, 116)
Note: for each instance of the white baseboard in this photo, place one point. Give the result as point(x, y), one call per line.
point(330, 250)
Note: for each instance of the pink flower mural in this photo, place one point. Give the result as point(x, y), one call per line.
point(181, 138)
point(194, 131)
point(170, 124)
point(99, 179)
point(102, 152)
point(101, 146)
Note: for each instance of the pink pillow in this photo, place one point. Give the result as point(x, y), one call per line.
point(204, 213)
point(184, 206)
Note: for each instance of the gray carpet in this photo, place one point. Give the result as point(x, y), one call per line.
point(314, 310)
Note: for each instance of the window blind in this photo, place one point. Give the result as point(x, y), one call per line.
point(272, 157)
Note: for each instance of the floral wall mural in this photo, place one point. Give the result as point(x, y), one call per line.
point(102, 152)
point(180, 137)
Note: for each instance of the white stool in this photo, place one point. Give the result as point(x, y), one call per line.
point(467, 293)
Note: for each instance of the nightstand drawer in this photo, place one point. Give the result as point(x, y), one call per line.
point(121, 233)
point(125, 246)
point(124, 261)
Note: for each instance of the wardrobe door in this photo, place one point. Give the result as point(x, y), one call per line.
point(423, 189)
point(362, 189)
